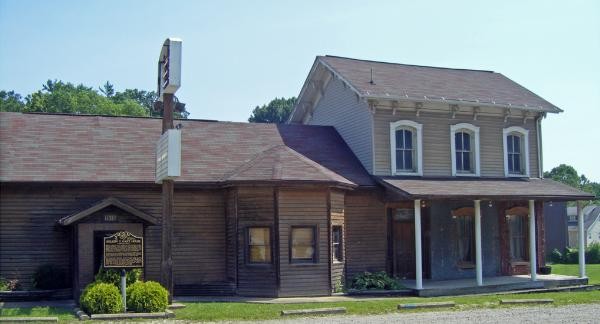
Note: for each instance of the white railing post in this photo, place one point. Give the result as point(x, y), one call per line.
point(532, 249)
point(478, 265)
point(418, 251)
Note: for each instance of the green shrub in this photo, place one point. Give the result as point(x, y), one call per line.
point(50, 276)
point(147, 297)
point(378, 280)
point(592, 253)
point(556, 256)
point(113, 276)
point(101, 298)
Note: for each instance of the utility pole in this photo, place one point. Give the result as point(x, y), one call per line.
point(167, 210)
point(168, 152)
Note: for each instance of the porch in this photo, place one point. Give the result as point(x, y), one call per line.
point(433, 288)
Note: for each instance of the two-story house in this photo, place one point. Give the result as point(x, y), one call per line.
point(459, 155)
point(418, 171)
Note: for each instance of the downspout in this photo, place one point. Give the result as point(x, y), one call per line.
point(538, 128)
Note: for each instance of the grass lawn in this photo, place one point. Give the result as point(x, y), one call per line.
point(246, 311)
point(63, 314)
point(591, 270)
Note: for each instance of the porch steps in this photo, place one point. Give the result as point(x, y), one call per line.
point(487, 289)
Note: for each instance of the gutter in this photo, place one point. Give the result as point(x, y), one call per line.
point(538, 132)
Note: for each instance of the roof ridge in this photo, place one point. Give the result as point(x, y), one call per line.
point(247, 165)
point(404, 64)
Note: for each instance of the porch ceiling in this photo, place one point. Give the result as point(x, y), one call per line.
point(506, 189)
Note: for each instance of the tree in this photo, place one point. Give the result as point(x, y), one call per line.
point(11, 101)
point(64, 97)
point(568, 175)
point(565, 174)
point(277, 111)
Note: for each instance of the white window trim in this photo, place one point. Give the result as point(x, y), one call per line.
point(419, 128)
point(525, 135)
point(475, 130)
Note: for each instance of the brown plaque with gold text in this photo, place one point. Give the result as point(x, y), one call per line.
point(123, 250)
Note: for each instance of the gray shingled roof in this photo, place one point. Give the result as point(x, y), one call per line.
point(423, 83)
point(450, 188)
point(67, 148)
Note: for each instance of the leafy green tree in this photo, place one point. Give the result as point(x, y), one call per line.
point(11, 101)
point(565, 174)
point(568, 175)
point(277, 111)
point(64, 97)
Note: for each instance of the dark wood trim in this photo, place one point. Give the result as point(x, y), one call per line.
point(236, 238)
point(315, 244)
point(391, 254)
point(111, 201)
point(329, 242)
point(276, 239)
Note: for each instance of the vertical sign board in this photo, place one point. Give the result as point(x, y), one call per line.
point(123, 250)
point(168, 155)
point(169, 67)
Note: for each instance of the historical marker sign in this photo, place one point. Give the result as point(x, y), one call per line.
point(123, 250)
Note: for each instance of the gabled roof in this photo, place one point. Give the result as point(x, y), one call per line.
point(78, 216)
point(502, 188)
point(393, 81)
point(68, 148)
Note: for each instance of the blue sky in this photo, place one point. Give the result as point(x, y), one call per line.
point(239, 54)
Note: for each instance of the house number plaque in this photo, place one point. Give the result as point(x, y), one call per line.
point(123, 250)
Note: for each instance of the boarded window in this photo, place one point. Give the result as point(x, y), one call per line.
point(259, 245)
point(303, 245)
point(337, 243)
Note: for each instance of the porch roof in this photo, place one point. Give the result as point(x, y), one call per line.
point(481, 188)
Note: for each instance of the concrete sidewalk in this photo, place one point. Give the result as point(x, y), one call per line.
point(67, 303)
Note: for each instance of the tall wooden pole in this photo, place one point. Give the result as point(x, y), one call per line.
point(167, 212)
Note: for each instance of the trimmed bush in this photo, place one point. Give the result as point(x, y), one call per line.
point(556, 256)
point(101, 298)
point(147, 297)
point(592, 253)
point(571, 255)
point(378, 280)
point(49, 276)
point(113, 276)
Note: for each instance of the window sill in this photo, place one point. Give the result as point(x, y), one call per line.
point(466, 265)
point(399, 173)
point(510, 175)
point(304, 264)
point(519, 263)
point(338, 261)
point(259, 265)
point(466, 174)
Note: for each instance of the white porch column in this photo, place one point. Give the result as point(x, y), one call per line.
point(532, 249)
point(581, 237)
point(478, 265)
point(418, 252)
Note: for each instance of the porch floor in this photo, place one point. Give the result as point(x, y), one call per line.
point(491, 284)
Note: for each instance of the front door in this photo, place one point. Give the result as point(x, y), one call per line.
point(404, 249)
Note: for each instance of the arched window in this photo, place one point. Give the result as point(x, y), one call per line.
point(465, 149)
point(406, 148)
point(516, 152)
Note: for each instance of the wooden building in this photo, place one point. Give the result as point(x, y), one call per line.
point(381, 176)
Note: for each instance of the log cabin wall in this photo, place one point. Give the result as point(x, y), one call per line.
point(199, 239)
point(255, 207)
point(30, 235)
point(336, 212)
point(366, 233)
point(304, 207)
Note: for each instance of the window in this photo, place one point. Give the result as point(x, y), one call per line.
point(337, 243)
point(406, 148)
point(464, 143)
point(517, 226)
point(303, 245)
point(259, 245)
point(465, 223)
point(516, 152)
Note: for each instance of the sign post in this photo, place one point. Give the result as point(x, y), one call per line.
point(123, 250)
point(169, 159)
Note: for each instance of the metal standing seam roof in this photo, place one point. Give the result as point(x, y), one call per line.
point(423, 83)
point(70, 148)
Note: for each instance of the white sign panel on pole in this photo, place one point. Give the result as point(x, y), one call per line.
point(168, 155)
point(169, 67)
